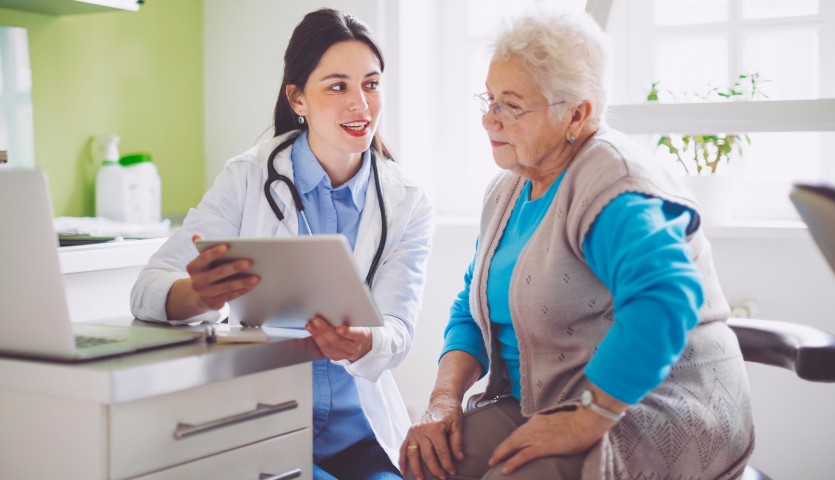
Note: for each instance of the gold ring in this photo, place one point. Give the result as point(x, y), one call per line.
point(412, 447)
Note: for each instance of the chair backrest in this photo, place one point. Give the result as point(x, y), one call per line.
point(807, 351)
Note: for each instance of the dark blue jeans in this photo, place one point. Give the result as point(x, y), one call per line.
point(365, 460)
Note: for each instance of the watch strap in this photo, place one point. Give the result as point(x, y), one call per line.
point(587, 401)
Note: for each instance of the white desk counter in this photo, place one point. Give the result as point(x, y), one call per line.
point(191, 411)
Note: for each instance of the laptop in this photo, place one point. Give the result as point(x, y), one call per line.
point(34, 317)
point(816, 205)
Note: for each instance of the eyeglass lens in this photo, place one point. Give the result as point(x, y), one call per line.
point(499, 110)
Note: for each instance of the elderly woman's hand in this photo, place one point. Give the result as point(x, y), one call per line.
point(560, 433)
point(434, 439)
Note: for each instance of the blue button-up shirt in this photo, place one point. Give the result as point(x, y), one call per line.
point(338, 419)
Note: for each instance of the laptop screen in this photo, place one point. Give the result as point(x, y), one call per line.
point(816, 205)
point(35, 319)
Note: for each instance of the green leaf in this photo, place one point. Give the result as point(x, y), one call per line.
point(708, 150)
point(652, 95)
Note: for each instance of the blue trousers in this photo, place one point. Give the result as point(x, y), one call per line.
point(365, 460)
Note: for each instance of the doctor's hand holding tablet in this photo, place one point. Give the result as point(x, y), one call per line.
point(216, 283)
point(341, 342)
point(209, 286)
point(289, 282)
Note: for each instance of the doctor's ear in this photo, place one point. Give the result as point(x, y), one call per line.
point(295, 96)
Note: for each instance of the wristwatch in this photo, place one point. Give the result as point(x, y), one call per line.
point(587, 401)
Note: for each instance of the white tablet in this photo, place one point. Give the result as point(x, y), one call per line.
point(300, 277)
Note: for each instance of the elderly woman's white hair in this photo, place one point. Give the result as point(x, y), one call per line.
point(566, 53)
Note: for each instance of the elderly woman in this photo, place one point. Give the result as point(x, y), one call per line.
point(592, 300)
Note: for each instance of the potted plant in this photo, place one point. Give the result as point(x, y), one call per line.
point(704, 157)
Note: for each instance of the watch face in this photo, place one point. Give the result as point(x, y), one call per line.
point(586, 398)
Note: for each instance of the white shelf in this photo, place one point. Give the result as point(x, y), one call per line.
point(70, 7)
point(739, 116)
point(758, 230)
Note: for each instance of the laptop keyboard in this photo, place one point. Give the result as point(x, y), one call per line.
point(87, 342)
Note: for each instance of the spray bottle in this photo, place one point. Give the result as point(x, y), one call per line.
point(112, 190)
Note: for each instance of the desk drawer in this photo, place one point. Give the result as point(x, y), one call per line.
point(167, 430)
point(288, 457)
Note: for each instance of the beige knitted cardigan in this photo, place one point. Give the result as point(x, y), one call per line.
point(697, 423)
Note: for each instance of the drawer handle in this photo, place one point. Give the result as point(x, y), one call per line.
point(281, 476)
point(185, 430)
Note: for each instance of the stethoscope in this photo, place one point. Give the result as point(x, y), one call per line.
point(273, 175)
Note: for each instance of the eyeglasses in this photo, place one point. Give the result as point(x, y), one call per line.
point(503, 112)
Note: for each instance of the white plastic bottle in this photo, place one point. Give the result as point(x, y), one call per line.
point(143, 185)
point(111, 182)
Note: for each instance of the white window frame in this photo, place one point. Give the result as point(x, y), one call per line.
point(16, 98)
point(808, 115)
point(435, 102)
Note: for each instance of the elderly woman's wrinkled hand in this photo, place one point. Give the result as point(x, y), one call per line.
point(560, 433)
point(435, 438)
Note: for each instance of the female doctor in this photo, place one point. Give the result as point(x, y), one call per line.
point(326, 153)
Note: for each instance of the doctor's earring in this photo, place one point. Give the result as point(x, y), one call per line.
point(301, 120)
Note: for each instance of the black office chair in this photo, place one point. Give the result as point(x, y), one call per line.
point(807, 351)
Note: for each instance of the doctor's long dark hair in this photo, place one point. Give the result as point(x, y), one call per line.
point(312, 37)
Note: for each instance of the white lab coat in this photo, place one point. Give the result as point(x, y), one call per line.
point(235, 206)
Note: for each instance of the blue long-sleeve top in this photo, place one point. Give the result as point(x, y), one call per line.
point(338, 419)
point(655, 287)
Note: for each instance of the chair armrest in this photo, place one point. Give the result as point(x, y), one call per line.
point(807, 351)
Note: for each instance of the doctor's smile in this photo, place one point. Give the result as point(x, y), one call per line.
point(357, 128)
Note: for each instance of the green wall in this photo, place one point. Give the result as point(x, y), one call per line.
point(136, 74)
